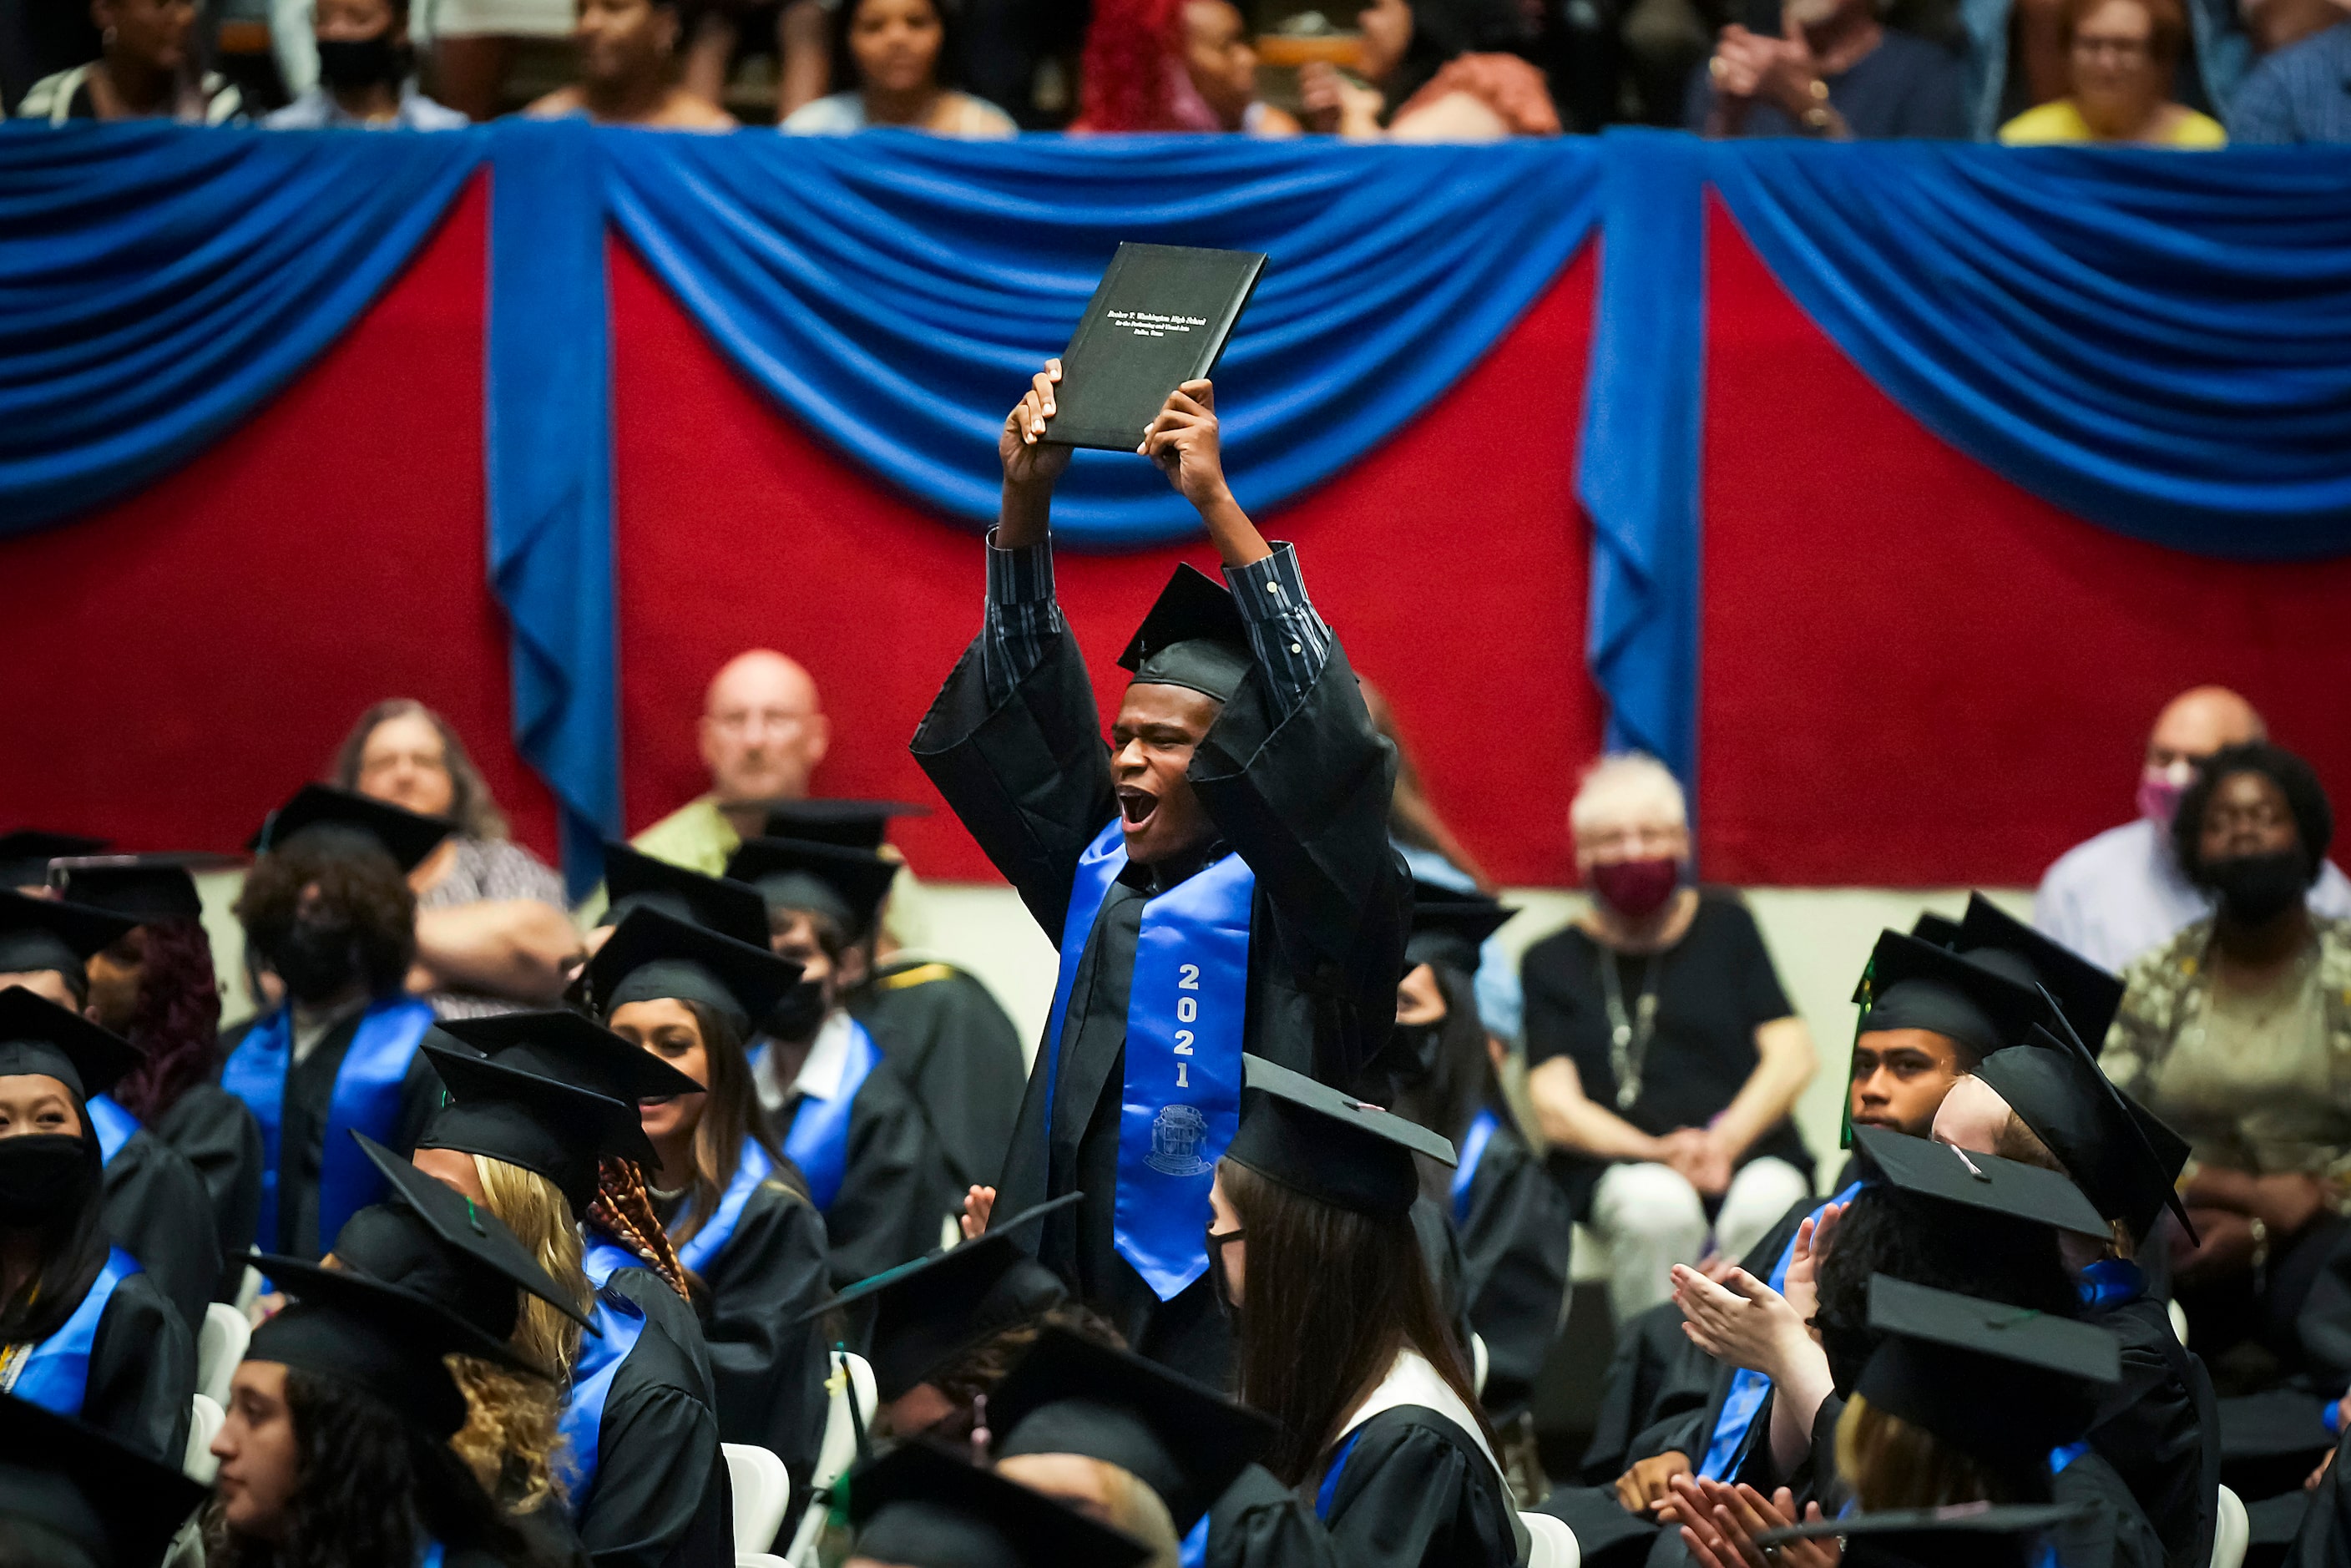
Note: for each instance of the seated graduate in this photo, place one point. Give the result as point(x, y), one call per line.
point(1513, 1219)
point(428, 1239)
point(156, 986)
point(329, 908)
point(838, 1109)
point(156, 1206)
point(1337, 1332)
point(71, 1497)
point(746, 1233)
point(336, 1449)
point(542, 1130)
point(1232, 839)
point(922, 1506)
point(83, 1330)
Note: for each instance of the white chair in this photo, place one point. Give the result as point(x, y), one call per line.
point(763, 1490)
point(758, 1560)
point(2179, 1321)
point(846, 1418)
point(1478, 1364)
point(220, 1339)
point(248, 1288)
point(1555, 1543)
point(2231, 1531)
point(204, 1425)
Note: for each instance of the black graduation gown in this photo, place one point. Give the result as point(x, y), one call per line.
point(1416, 1490)
point(216, 1134)
point(892, 1202)
point(302, 1131)
point(1261, 1524)
point(960, 1055)
point(142, 1372)
point(768, 1371)
point(660, 1498)
point(158, 1211)
point(1515, 1246)
point(1302, 798)
point(2114, 1534)
point(2161, 1439)
point(2323, 1540)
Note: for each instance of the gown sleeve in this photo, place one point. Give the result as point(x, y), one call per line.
point(2114, 1534)
point(1515, 1249)
point(657, 1451)
point(892, 1198)
point(158, 1211)
point(142, 1373)
point(1656, 1378)
point(1261, 1524)
point(960, 1054)
point(1411, 1497)
point(2148, 1430)
point(767, 1370)
point(215, 1132)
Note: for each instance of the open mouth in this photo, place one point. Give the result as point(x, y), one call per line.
point(1136, 805)
point(657, 1102)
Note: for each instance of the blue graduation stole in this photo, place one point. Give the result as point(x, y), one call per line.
point(2110, 1282)
point(113, 1125)
point(366, 1096)
point(430, 1554)
point(1328, 1493)
point(1192, 1552)
point(55, 1375)
point(752, 1169)
point(1747, 1387)
point(1473, 1149)
point(1186, 1010)
point(817, 1140)
point(591, 1383)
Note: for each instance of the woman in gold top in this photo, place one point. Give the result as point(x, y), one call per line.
point(2119, 58)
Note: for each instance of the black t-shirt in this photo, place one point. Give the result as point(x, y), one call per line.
point(1714, 987)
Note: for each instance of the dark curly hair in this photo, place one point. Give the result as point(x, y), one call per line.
point(369, 1489)
point(176, 1021)
point(2314, 819)
point(360, 885)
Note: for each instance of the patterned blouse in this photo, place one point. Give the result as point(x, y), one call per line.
point(488, 871)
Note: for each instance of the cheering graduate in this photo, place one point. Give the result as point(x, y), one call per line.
point(1512, 1218)
point(542, 1130)
point(328, 908)
point(155, 987)
point(1338, 1333)
point(921, 1507)
point(156, 1206)
point(731, 1204)
point(72, 1498)
point(1220, 880)
point(84, 1332)
point(336, 1449)
point(838, 1109)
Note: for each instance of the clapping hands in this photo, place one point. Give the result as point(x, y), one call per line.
point(1720, 1523)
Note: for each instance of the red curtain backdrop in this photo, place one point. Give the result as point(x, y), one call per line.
point(1914, 671)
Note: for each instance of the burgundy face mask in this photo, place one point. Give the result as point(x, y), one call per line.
point(1637, 889)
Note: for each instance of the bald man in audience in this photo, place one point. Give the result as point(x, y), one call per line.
point(2118, 895)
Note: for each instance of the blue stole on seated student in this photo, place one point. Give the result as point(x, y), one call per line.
point(1473, 1149)
point(599, 1360)
point(367, 1096)
point(753, 1168)
point(817, 1140)
point(55, 1373)
point(113, 1125)
point(1187, 1012)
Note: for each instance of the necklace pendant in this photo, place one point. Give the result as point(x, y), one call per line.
point(1623, 1035)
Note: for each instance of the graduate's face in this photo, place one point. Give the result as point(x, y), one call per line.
point(1224, 1219)
point(1899, 1079)
point(791, 934)
point(258, 1453)
point(34, 1102)
point(1971, 1117)
point(666, 1029)
point(1419, 999)
point(1151, 755)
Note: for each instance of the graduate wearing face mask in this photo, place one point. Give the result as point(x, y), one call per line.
point(365, 74)
point(84, 1333)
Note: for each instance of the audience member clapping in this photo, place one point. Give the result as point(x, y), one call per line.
point(146, 69)
point(1835, 71)
point(628, 68)
point(902, 56)
point(2297, 93)
point(364, 65)
point(2120, 57)
point(1422, 82)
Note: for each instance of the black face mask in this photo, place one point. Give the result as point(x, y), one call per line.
point(359, 62)
point(1412, 1051)
point(2254, 889)
point(317, 962)
point(1217, 1284)
point(42, 1175)
point(799, 1014)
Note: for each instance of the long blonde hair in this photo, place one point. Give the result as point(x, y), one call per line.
point(513, 1424)
point(1893, 1463)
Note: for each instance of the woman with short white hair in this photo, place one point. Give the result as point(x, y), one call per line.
point(1664, 1055)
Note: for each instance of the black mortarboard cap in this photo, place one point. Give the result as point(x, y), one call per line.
point(382, 1339)
point(572, 1048)
point(50, 934)
point(633, 881)
point(851, 824)
point(2088, 995)
point(139, 887)
point(529, 1120)
point(38, 1036)
point(1183, 1440)
point(846, 885)
point(118, 1504)
point(1449, 925)
point(1940, 929)
point(651, 955)
point(2026, 1194)
point(1194, 637)
point(407, 837)
point(928, 1312)
point(26, 854)
point(436, 1242)
point(919, 1506)
point(1911, 984)
point(1962, 1535)
point(2123, 1159)
point(1333, 1147)
point(2003, 1384)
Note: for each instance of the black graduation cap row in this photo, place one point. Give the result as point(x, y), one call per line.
point(634, 880)
point(1192, 637)
point(36, 1036)
point(1449, 924)
point(844, 882)
point(117, 1503)
point(141, 887)
point(658, 955)
point(404, 834)
point(26, 853)
point(51, 933)
point(923, 1504)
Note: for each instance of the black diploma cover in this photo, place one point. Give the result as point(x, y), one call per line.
point(1160, 317)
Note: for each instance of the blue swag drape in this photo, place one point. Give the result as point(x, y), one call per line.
point(2160, 342)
